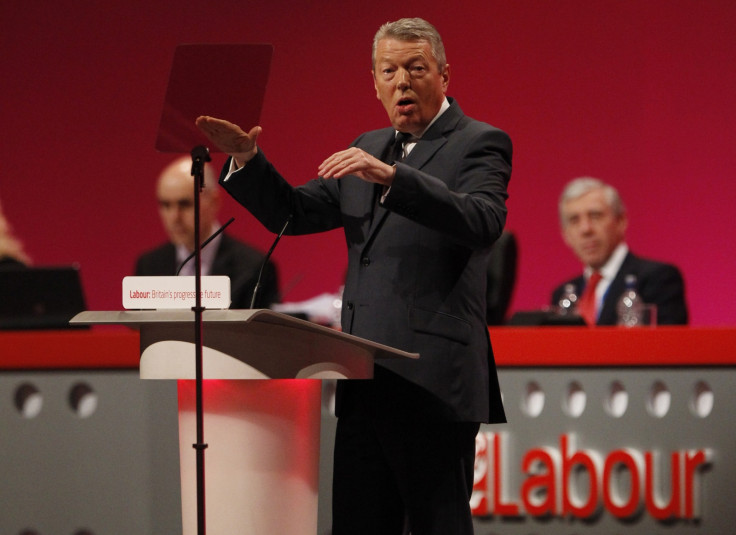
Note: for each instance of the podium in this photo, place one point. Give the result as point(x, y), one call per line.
point(262, 403)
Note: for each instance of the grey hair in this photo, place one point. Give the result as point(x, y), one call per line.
point(415, 29)
point(580, 186)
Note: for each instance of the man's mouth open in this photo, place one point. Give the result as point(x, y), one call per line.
point(405, 105)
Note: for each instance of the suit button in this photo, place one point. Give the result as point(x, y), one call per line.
point(365, 261)
point(349, 305)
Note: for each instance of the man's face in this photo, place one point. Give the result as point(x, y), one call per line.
point(175, 194)
point(408, 83)
point(591, 228)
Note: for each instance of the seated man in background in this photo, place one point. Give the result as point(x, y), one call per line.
point(12, 254)
point(222, 256)
point(593, 220)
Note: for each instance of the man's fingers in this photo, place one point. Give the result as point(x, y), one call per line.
point(227, 136)
point(334, 165)
point(254, 133)
point(337, 163)
point(354, 161)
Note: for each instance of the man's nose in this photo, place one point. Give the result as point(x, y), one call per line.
point(586, 225)
point(404, 80)
point(172, 211)
point(175, 213)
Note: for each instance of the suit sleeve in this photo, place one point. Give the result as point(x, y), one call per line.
point(261, 189)
point(467, 199)
point(666, 289)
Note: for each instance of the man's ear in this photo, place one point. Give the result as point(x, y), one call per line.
point(622, 225)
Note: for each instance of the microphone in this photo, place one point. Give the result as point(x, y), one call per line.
point(214, 235)
point(265, 260)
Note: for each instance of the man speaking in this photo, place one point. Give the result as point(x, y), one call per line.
point(421, 203)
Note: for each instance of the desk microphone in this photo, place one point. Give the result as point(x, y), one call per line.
point(214, 235)
point(265, 260)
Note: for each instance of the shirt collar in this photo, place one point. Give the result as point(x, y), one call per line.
point(611, 267)
point(443, 108)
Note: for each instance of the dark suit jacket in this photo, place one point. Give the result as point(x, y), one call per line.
point(658, 283)
point(501, 273)
point(9, 262)
point(234, 258)
point(416, 273)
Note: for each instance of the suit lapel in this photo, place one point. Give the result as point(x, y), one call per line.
point(432, 141)
point(423, 152)
point(373, 191)
point(434, 138)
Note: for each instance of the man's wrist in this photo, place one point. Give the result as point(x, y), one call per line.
point(240, 160)
point(391, 177)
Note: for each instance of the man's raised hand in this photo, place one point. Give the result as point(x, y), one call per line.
point(230, 138)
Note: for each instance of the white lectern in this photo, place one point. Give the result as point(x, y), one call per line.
point(262, 459)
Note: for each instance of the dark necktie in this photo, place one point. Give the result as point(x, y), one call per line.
point(587, 305)
point(396, 154)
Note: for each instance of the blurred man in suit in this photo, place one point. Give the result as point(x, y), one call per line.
point(223, 256)
point(421, 203)
point(593, 220)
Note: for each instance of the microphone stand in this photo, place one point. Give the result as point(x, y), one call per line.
point(200, 155)
point(215, 234)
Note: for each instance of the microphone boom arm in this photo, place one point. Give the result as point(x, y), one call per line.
point(265, 261)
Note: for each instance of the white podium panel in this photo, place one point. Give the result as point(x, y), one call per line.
point(262, 459)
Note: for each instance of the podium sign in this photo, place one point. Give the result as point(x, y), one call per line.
point(174, 292)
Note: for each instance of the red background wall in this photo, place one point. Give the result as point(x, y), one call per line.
point(640, 94)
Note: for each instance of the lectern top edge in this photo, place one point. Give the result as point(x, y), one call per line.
point(141, 318)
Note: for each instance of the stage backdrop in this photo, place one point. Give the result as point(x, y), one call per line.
point(640, 94)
